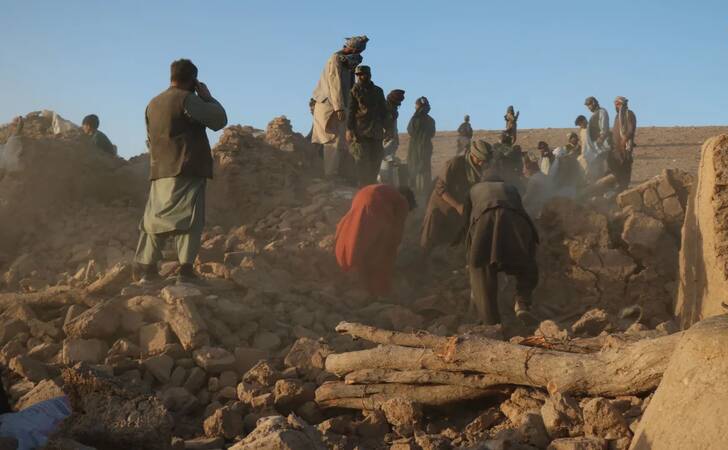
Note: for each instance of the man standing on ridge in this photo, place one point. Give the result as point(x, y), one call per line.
point(465, 136)
point(180, 164)
point(620, 159)
point(329, 113)
point(365, 125)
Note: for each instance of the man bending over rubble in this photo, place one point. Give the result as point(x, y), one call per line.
point(500, 238)
point(180, 164)
point(368, 236)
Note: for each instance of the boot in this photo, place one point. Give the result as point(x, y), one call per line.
point(187, 274)
point(523, 312)
point(145, 273)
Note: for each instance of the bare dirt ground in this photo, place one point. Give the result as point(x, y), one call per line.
point(658, 148)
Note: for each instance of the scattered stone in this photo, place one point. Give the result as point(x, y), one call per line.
point(45, 390)
point(178, 399)
point(153, 338)
point(100, 321)
point(262, 373)
point(579, 443)
point(591, 323)
point(29, 368)
point(308, 357)
point(92, 351)
point(267, 341)
point(291, 394)
point(177, 379)
point(224, 422)
point(277, 432)
point(195, 380)
point(562, 416)
point(602, 419)
point(246, 358)
point(404, 415)
point(214, 360)
point(160, 367)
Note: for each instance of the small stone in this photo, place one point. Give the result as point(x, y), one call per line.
point(484, 422)
point(262, 373)
point(153, 338)
point(562, 416)
point(160, 366)
point(178, 376)
point(195, 380)
point(602, 419)
point(44, 351)
point(124, 347)
point(214, 360)
point(225, 422)
point(180, 291)
point(630, 197)
point(100, 321)
point(578, 443)
point(308, 357)
point(229, 378)
point(404, 416)
point(665, 189)
point(29, 368)
point(92, 351)
point(672, 208)
point(290, 394)
point(591, 323)
point(178, 399)
point(374, 425)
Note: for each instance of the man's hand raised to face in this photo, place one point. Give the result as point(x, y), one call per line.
point(203, 91)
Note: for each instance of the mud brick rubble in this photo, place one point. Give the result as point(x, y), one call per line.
point(237, 363)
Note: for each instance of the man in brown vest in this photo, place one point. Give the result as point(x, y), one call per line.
point(180, 164)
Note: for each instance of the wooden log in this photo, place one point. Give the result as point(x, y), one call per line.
point(629, 369)
point(51, 297)
point(379, 336)
point(421, 377)
point(371, 396)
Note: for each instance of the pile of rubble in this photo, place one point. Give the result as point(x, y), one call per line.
point(239, 361)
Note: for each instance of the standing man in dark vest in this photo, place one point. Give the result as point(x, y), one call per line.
point(180, 164)
point(501, 238)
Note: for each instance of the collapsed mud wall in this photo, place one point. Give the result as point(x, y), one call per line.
point(704, 253)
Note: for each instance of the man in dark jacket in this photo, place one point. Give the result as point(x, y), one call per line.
point(365, 128)
point(501, 238)
point(180, 164)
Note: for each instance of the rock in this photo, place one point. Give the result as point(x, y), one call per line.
point(224, 422)
point(204, 443)
point(100, 321)
point(267, 341)
point(672, 208)
point(642, 232)
point(112, 282)
point(109, 414)
point(45, 390)
point(483, 422)
point(310, 412)
point(92, 351)
point(522, 401)
point(630, 198)
point(308, 357)
point(579, 443)
point(262, 373)
point(177, 379)
point(562, 416)
point(246, 358)
point(160, 367)
point(229, 378)
point(195, 380)
point(279, 433)
point(591, 323)
point(550, 329)
point(180, 292)
point(214, 360)
point(178, 399)
point(153, 338)
point(29, 368)
point(10, 329)
point(124, 347)
point(404, 416)
point(602, 419)
point(44, 352)
point(290, 394)
point(374, 425)
point(533, 430)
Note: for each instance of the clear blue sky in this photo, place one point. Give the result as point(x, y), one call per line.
point(263, 58)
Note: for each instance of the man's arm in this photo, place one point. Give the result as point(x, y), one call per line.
point(208, 112)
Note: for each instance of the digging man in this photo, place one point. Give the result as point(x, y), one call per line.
point(368, 236)
point(500, 238)
point(180, 164)
point(365, 126)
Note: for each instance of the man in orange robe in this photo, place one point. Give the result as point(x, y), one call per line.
point(368, 236)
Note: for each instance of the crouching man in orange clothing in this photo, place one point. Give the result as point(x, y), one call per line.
point(368, 236)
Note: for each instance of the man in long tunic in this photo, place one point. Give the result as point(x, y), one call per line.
point(368, 236)
point(365, 126)
point(620, 159)
point(180, 164)
point(501, 238)
point(421, 129)
point(445, 215)
point(391, 141)
point(332, 97)
point(465, 136)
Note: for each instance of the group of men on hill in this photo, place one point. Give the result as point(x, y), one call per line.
point(476, 200)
